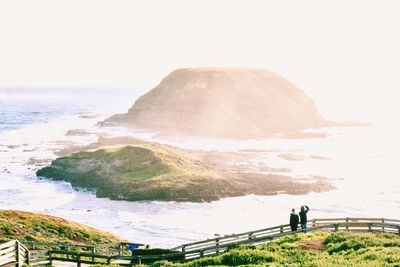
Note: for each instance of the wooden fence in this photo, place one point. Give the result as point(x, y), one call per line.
point(220, 244)
point(13, 252)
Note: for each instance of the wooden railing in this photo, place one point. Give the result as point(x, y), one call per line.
point(46, 252)
point(13, 252)
point(120, 249)
point(220, 244)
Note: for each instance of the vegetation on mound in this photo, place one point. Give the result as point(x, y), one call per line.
point(27, 226)
point(140, 172)
point(318, 249)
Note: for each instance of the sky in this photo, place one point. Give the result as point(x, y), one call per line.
point(344, 54)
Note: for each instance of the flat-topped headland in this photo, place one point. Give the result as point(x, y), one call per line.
point(224, 103)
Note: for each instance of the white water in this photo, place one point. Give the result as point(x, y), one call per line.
point(364, 164)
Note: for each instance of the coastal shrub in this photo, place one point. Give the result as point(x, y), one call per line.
point(347, 242)
point(161, 264)
point(290, 239)
point(370, 257)
point(395, 260)
point(30, 238)
point(392, 244)
point(345, 247)
point(240, 257)
point(334, 238)
point(207, 261)
point(6, 228)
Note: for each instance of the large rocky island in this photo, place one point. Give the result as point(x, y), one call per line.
point(223, 102)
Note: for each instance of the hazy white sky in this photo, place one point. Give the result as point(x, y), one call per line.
point(344, 54)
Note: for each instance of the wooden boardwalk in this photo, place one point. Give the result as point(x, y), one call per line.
point(15, 253)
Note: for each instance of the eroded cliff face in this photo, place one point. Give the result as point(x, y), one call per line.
point(223, 102)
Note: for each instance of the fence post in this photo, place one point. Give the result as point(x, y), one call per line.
point(217, 244)
point(313, 222)
point(347, 227)
point(93, 252)
point(250, 235)
point(28, 257)
point(17, 253)
point(336, 227)
point(369, 227)
point(383, 227)
point(132, 257)
point(139, 260)
point(120, 249)
point(183, 250)
point(78, 263)
point(50, 258)
point(202, 253)
point(281, 228)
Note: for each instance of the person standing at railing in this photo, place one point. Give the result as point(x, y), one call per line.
point(303, 216)
point(294, 220)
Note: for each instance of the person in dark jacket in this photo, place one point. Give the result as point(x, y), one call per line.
point(303, 216)
point(294, 220)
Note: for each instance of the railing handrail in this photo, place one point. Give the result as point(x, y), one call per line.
point(329, 220)
point(234, 235)
point(56, 244)
point(354, 219)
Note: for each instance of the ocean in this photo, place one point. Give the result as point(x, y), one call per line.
point(362, 162)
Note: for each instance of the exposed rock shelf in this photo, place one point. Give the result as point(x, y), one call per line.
point(159, 172)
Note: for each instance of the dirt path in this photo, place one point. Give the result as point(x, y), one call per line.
point(314, 245)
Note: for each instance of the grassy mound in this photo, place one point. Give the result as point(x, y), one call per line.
point(140, 172)
point(27, 226)
point(318, 249)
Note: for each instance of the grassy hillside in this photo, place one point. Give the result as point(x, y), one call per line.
point(140, 172)
point(27, 226)
point(318, 249)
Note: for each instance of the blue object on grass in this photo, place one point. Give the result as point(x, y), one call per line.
point(131, 247)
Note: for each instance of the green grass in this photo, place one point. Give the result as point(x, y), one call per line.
point(27, 226)
point(318, 249)
point(147, 173)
